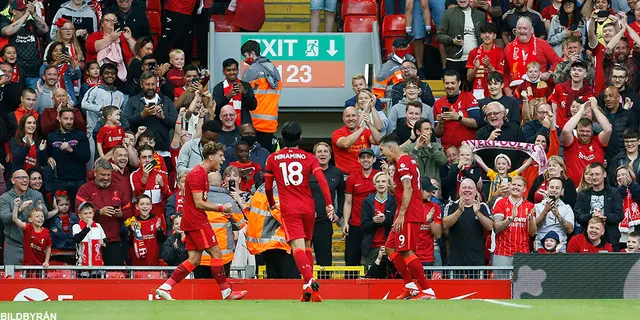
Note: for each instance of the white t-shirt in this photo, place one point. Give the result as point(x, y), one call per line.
point(469, 36)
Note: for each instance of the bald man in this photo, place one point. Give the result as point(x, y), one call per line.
point(49, 116)
point(230, 133)
point(357, 133)
point(621, 120)
point(30, 198)
point(467, 219)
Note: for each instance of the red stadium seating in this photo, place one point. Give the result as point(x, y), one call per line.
point(359, 8)
point(154, 5)
point(114, 275)
point(155, 24)
point(59, 274)
point(224, 23)
point(393, 27)
point(147, 275)
point(359, 23)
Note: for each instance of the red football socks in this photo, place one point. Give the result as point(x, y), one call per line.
point(181, 272)
point(217, 270)
point(310, 257)
point(303, 264)
point(417, 271)
point(401, 267)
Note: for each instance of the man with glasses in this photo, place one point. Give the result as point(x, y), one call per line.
point(230, 133)
point(501, 129)
point(620, 119)
point(620, 80)
point(621, 57)
point(390, 74)
point(30, 198)
point(410, 69)
point(626, 157)
point(542, 124)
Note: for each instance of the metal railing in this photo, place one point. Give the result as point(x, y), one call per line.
point(247, 272)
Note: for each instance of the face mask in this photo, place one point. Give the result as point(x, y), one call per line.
point(249, 139)
point(401, 52)
point(249, 61)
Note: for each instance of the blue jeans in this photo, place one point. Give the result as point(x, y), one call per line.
point(326, 5)
point(437, 11)
point(390, 6)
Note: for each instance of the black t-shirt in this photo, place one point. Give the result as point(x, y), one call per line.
point(9, 98)
point(510, 19)
point(402, 130)
point(27, 43)
point(229, 138)
point(466, 237)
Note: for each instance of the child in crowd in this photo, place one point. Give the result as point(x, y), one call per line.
point(501, 176)
point(176, 74)
point(92, 77)
point(89, 237)
point(533, 87)
point(152, 182)
point(633, 243)
point(145, 137)
point(112, 133)
point(36, 240)
point(62, 223)
point(146, 234)
point(247, 168)
point(550, 243)
point(465, 167)
point(174, 251)
point(175, 203)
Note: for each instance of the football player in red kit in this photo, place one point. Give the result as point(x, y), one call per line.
point(402, 241)
point(291, 168)
point(198, 235)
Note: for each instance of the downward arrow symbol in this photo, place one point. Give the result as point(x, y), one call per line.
point(332, 48)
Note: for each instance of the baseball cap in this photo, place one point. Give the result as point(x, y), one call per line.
point(19, 4)
point(579, 63)
point(399, 42)
point(427, 185)
point(366, 151)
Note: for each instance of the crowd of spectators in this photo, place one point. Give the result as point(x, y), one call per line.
point(100, 132)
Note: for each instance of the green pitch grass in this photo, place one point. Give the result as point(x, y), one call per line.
point(332, 310)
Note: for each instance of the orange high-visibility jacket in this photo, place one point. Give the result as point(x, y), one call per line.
point(264, 227)
point(267, 85)
point(223, 226)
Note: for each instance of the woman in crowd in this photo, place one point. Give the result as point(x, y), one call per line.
point(568, 22)
point(630, 192)
point(143, 47)
point(36, 182)
point(9, 55)
point(67, 35)
point(585, 180)
point(68, 68)
point(556, 169)
point(365, 103)
point(111, 45)
point(27, 149)
point(551, 145)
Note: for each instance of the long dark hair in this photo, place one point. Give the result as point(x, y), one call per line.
point(51, 49)
point(23, 123)
point(576, 17)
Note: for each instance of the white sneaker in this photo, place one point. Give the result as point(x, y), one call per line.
point(163, 294)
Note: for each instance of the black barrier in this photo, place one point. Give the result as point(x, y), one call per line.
point(576, 276)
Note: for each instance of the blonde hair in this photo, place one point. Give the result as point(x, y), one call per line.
point(229, 170)
point(534, 65)
point(74, 42)
point(175, 52)
point(561, 163)
point(521, 178)
point(584, 185)
point(321, 143)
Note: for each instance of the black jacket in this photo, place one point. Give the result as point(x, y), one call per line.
point(569, 196)
point(335, 179)
point(19, 152)
point(160, 127)
point(69, 165)
point(249, 102)
point(510, 132)
point(135, 19)
point(621, 159)
point(174, 252)
point(369, 227)
point(622, 120)
point(612, 210)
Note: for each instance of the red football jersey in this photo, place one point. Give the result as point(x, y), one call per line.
point(454, 131)
point(497, 60)
point(598, 55)
point(192, 217)
point(580, 244)
point(34, 244)
point(360, 187)
point(578, 156)
point(291, 168)
point(407, 168)
point(425, 237)
point(515, 238)
point(152, 244)
point(110, 137)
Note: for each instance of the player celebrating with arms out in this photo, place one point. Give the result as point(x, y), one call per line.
point(198, 235)
point(291, 168)
point(402, 241)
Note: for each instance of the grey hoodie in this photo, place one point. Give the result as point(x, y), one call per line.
point(95, 99)
point(80, 18)
point(399, 111)
point(13, 234)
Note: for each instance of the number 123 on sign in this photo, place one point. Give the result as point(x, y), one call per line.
point(311, 74)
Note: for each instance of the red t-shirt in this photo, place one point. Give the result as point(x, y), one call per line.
point(515, 238)
point(291, 168)
point(454, 131)
point(193, 218)
point(563, 97)
point(35, 244)
point(151, 242)
point(598, 54)
point(347, 159)
point(580, 244)
point(578, 156)
point(31, 160)
point(360, 187)
point(181, 6)
point(110, 137)
point(176, 77)
point(379, 237)
point(425, 237)
point(496, 57)
point(548, 12)
point(407, 168)
point(252, 167)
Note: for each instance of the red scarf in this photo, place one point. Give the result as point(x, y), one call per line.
point(179, 202)
point(631, 213)
point(139, 247)
point(92, 84)
point(97, 8)
point(66, 222)
point(91, 248)
point(62, 68)
point(31, 160)
point(523, 54)
point(235, 102)
point(15, 75)
point(481, 83)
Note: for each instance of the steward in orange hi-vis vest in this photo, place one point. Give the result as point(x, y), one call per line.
point(264, 230)
point(223, 225)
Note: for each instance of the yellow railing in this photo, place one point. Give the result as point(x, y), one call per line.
point(320, 272)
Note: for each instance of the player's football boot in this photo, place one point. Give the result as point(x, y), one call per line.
point(163, 294)
point(315, 297)
point(237, 295)
point(306, 294)
point(406, 294)
point(425, 295)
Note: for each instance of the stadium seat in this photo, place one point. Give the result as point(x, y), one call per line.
point(154, 5)
point(155, 24)
point(393, 25)
point(359, 23)
point(224, 23)
point(359, 8)
point(59, 274)
point(147, 274)
point(114, 275)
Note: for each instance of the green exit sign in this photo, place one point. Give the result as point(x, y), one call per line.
point(315, 47)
